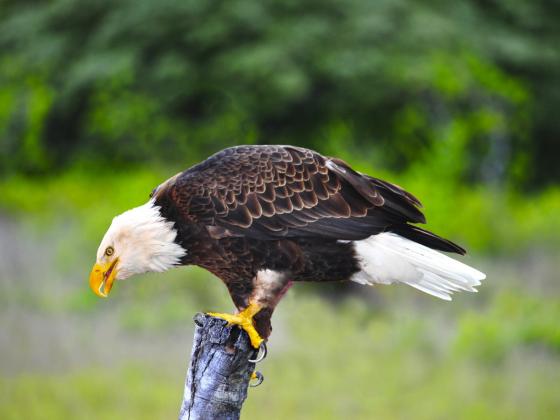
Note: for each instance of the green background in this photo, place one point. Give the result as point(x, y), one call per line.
point(455, 101)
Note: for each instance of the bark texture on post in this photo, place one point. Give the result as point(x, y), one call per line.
point(219, 371)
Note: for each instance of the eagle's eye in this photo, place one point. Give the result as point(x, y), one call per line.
point(109, 251)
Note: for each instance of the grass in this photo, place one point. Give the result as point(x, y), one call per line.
point(328, 363)
point(129, 392)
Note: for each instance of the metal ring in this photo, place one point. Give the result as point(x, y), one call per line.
point(260, 379)
point(263, 351)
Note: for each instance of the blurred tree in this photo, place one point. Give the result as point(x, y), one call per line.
point(391, 81)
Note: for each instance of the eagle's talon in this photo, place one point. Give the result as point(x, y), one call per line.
point(258, 376)
point(261, 354)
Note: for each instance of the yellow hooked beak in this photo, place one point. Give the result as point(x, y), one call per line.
point(102, 277)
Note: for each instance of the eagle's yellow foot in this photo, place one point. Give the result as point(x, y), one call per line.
point(244, 319)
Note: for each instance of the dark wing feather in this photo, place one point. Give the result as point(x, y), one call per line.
point(272, 192)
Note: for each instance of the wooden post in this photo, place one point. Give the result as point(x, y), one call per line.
point(219, 371)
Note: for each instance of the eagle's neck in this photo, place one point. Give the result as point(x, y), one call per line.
point(186, 234)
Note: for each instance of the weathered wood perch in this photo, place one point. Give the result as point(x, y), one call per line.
point(219, 371)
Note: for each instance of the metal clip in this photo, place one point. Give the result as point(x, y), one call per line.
point(263, 351)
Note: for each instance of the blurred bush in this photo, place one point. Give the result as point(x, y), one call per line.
point(171, 81)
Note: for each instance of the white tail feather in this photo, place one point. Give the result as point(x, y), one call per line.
point(387, 258)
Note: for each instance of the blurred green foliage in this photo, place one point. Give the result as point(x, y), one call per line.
point(455, 101)
point(513, 321)
point(448, 100)
point(171, 81)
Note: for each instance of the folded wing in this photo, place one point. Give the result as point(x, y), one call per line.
point(272, 192)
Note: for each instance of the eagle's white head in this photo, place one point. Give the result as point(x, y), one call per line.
point(138, 241)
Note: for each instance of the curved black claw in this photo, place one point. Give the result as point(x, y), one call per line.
point(263, 351)
point(259, 377)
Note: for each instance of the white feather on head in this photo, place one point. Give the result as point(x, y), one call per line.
point(143, 241)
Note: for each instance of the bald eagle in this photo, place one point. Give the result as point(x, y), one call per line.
point(263, 217)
